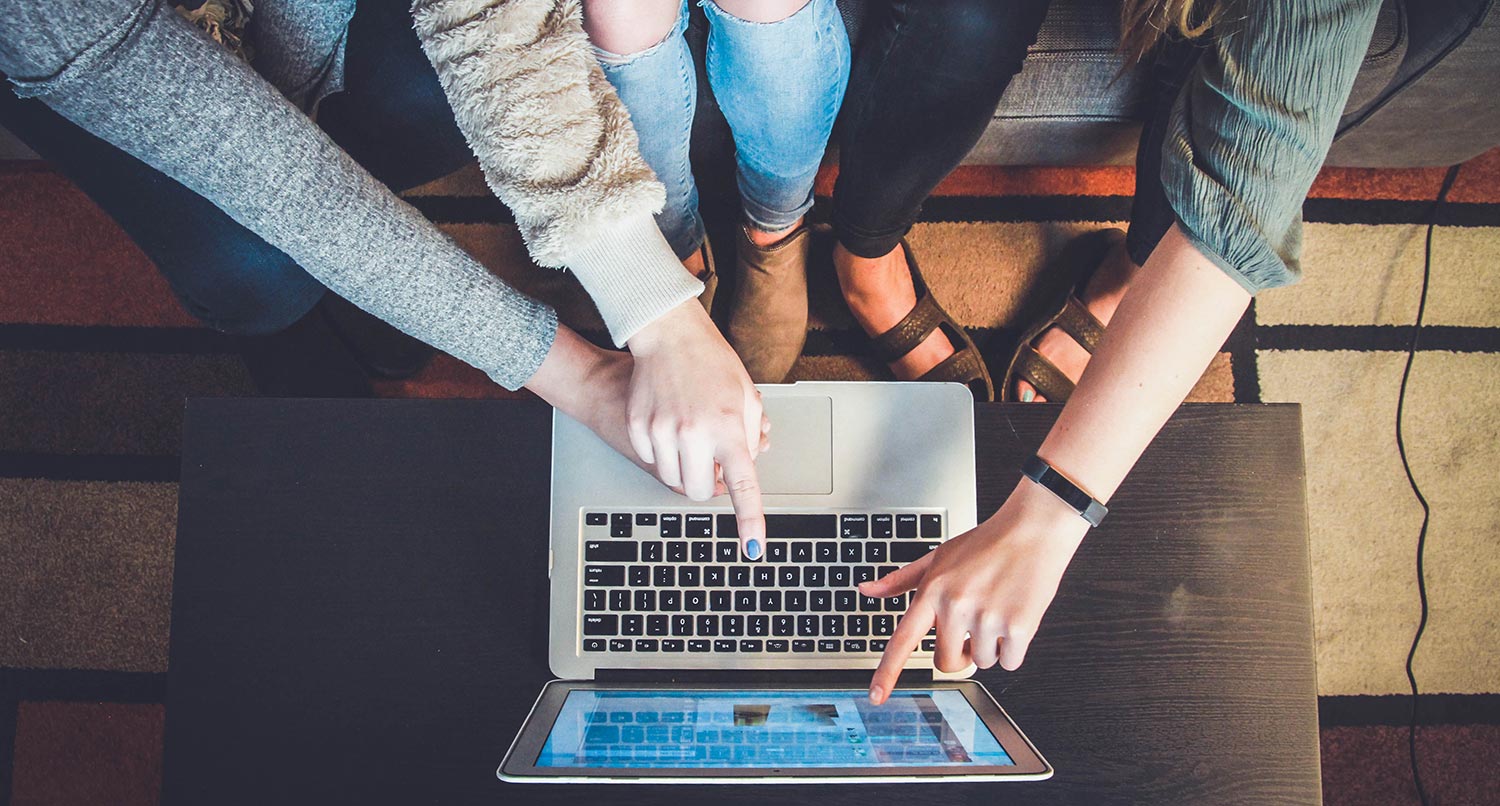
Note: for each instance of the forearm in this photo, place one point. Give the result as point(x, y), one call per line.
point(1170, 324)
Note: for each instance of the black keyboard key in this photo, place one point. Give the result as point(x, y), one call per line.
point(726, 645)
point(803, 645)
point(656, 625)
point(870, 604)
point(639, 576)
point(777, 551)
point(620, 645)
point(878, 644)
point(751, 645)
point(697, 645)
point(619, 525)
point(632, 624)
point(883, 625)
point(645, 601)
point(744, 601)
point(759, 626)
point(854, 526)
point(718, 601)
point(651, 551)
point(727, 527)
point(646, 644)
point(713, 576)
point(708, 625)
point(796, 601)
point(929, 644)
point(689, 575)
point(932, 525)
point(909, 552)
point(733, 625)
point(765, 576)
point(826, 553)
point(601, 624)
point(739, 576)
point(619, 600)
point(845, 601)
point(664, 576)
point(677, 551)
point(671, 526)
point(671, 645)
point(726, 552)
point(604, 576)
point(814, 576)
point(854, 645)
point(820, 601)
point(695, 601)
point(882, 526)
point(829, 645)
point(783, 625)
point(776, 645)
point(886, 570)
point(838, 576)
point(593, 600)
point(702, 551)
point(596, 519)
point(682, 625)
point(863, 574)
point(789, 576)
point(807, 625)
point(801, 526)
point(875, 552)
point(833, 625)
point(859, 625)
point(669, 601)
point(802, 552)
point(645, 519)
point(851, 553)
point(906, 526)
point(593, 645)
point(698, 526)
point(896, 604)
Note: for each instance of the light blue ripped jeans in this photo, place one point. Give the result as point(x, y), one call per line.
point(779, 84)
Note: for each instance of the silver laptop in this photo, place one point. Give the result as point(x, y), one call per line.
point(681, 660)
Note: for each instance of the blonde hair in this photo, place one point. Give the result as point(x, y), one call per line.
point(1143, 23)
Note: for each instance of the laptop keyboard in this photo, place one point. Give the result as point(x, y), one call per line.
point(675, 582)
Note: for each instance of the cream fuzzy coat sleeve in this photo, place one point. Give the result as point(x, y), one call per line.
point(557, 147)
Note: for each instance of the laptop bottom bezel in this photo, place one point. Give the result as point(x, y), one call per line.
point(518, 765)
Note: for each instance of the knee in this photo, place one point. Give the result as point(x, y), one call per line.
point(248, 294)
point(980, 27)
point(624, 29)
point(762, 11)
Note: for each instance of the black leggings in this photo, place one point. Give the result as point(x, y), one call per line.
point(925, 82)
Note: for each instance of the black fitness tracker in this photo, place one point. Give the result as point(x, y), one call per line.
point(1037, 469)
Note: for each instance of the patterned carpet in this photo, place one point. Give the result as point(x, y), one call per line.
point(96, 358)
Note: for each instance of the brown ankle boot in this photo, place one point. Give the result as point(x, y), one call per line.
point(768, 318)
point(709, 277)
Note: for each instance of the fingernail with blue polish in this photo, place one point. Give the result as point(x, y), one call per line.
point(752, 549)
point(1028, 396)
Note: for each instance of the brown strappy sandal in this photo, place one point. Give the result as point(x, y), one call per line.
point(965, 366)
point(1069, 313)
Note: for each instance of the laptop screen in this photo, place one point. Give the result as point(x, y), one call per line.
point(757, 728)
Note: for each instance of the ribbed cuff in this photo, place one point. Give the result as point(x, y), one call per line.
point(632, 276)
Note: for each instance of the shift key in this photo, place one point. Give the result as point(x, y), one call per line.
point(604, 576)
point(906, 552)
point(609, 551)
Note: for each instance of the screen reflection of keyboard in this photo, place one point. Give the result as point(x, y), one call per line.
point(676, 582)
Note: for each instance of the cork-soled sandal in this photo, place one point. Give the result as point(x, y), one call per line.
point(1070, 314)
point(965, 366)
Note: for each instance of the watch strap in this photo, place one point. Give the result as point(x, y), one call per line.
point(1089, 508)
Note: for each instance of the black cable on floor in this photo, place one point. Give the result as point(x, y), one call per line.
point(1411, 354)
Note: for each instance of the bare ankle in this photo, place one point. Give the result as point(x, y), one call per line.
point(765, 239)
point(695, 264)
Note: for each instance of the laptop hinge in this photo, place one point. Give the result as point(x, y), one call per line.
point(758, 677)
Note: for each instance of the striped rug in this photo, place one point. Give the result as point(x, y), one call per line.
point(96, 358)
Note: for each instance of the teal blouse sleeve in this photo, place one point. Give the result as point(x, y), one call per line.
point(1252, 125)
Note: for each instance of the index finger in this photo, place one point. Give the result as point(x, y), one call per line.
point(744, 493)
point(908, 636)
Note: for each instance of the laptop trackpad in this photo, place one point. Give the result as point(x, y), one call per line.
point(800, 461)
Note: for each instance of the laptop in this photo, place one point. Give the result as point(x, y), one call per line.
point(680, 660)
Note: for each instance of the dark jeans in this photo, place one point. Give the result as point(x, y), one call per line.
point(926, 79)
point(392, 117)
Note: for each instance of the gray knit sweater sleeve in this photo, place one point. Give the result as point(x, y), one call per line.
point(1252, 127)
point(141, 78)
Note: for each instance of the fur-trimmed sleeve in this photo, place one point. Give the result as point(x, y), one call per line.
point(557, 146)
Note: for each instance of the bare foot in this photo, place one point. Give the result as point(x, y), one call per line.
point(880, 294)
point(1102, 296)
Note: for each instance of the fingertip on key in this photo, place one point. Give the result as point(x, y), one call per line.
point(752, 549)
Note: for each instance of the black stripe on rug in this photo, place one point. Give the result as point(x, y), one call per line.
point(84, 685)
point(88, 467)
point(1369, 338)
point(1395, 710)
point(113, 339)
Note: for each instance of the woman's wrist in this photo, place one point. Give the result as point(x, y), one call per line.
point(563, 377)
point(1045, 516)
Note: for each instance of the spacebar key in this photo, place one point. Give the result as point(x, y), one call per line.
point(908, 550)
point(803, 526)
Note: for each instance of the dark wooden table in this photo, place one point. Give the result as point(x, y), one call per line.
point(360, 589)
